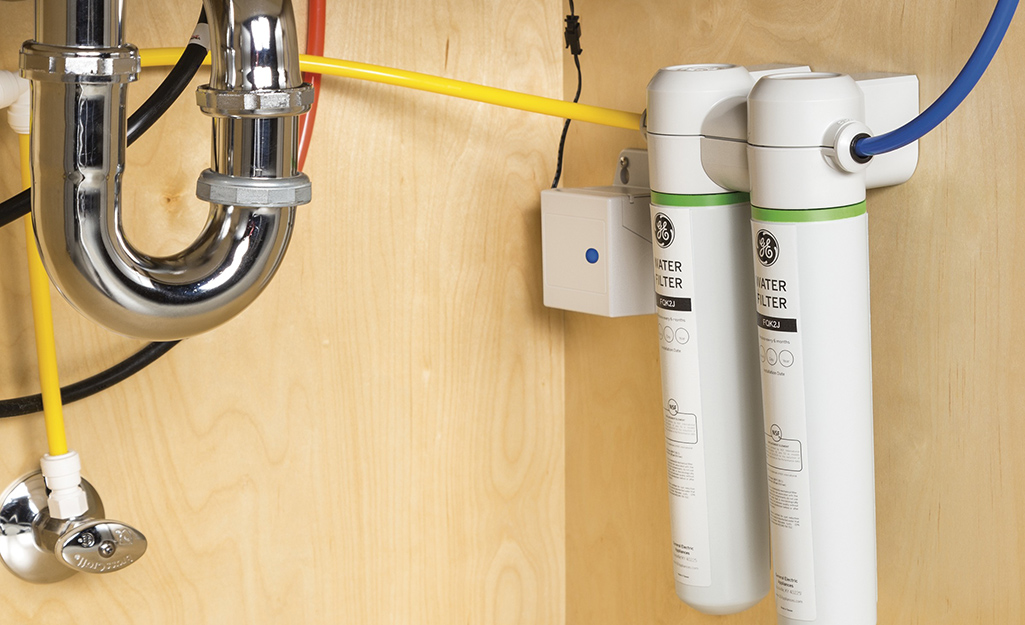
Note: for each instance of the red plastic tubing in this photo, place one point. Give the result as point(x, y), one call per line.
point(315, 25)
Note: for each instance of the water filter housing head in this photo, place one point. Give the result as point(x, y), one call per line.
point(681, 96)
point(681, 100)
point(696, 123)
point(797, 110)
point(793, 122)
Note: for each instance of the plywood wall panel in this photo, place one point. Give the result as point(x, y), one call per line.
point(379, 438)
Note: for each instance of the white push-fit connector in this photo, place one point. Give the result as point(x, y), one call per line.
point(63, 475)
point(19, 114)
point(17, 99)
point(842, 136)
point(11, 86)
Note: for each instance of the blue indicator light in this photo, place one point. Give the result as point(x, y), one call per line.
point(591, 255)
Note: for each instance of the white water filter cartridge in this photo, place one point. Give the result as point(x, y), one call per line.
point(810, 242)
point(708, 348)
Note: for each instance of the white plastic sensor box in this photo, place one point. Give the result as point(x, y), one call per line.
point(596, 244)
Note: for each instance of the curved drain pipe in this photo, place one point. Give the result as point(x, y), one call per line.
point(80, 68)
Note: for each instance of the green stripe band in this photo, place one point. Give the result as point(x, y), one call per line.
point(801, 216)
point(711, 199)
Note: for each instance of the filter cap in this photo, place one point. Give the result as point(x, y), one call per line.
point(802, 110)
point(680, 97)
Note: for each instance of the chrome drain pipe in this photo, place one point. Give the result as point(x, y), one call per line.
point(80, 67)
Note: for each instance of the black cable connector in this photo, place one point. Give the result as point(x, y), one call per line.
point(573, 43)
point(573, 34)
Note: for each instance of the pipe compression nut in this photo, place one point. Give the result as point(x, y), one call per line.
point(79, 65)
point(255, 103)
point(256, 192)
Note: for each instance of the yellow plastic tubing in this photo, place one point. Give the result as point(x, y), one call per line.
point(42, 314)
point(156, 57)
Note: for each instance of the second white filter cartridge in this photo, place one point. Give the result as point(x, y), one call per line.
point(811, 254)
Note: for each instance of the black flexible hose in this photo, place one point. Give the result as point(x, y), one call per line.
point(90, 386)
point(18, 206)
point(14, 208)
point(169, 90)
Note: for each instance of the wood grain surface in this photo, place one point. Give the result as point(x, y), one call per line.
point(398, 431)
point(379, 438)
point(948, 282)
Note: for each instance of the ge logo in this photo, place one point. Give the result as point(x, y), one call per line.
point(665, 233)
point(767, 248)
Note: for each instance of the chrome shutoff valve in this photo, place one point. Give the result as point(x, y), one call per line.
point(41, 549)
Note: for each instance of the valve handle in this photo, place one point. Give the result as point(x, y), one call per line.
point(100, 546)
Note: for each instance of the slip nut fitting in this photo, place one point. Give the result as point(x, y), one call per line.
point(254, 192)
point(255, 103)
point(42, 62)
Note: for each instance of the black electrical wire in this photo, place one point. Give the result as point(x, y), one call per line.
point(170, 89)
point(14, 208)
point(90, 386)
point(573, 43)
point(18, 206)
point(139, 122)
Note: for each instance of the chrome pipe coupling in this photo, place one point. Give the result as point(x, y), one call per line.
point(265, 192)
point(256, 103)
point(232, 190)
point(49, 63)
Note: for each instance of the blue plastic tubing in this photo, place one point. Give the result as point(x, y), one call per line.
point(953, 96)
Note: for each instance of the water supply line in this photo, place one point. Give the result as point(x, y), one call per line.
point(42, 313)
point(80, 67)
point(15, 97)
point(602, 116)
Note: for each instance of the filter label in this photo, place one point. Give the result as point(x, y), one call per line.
point(778, 302)
point(681, 394)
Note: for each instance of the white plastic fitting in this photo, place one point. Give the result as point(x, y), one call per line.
point(17, 99)
point(19, 114)
point(15, 96)
point(63, 475)
point(11, 87)
point(844, 134)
